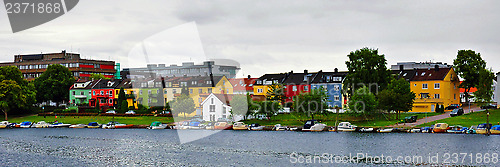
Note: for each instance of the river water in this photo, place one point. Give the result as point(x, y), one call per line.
point(141, 147)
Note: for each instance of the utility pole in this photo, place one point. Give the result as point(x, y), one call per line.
point(336, 120)
point(487, 122)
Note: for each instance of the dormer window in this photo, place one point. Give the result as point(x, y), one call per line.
point(404, 75)
point(423, 73)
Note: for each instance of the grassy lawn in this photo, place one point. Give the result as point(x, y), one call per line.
point(298, 119)
point(87, 119)
point(471, 119)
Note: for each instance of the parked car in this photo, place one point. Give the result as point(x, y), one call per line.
point(111, 112)
point(410, 119)
point(130, 112)
point(452, 106)
point(489, 106)
point(457, 112)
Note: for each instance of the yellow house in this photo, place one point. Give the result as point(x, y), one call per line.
point(127, 88)
point(432, 87)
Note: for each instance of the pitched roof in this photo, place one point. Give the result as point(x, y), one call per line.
point(242, 84)
point(422, 74)
point(224, 98)
point(106, 84)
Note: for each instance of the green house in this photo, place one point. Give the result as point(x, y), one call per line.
point(79, 93)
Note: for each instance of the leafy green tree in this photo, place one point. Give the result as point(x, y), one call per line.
point(276, 93)
point(363, 101)
point(54, 83)
point(122, 97)
point(15, 92)
point(366, 68)
point(185, 91)
point(397, 97)
point(97, 76)
point(484, 88)
point(468, 65)
point(268, 108)
point(313, 102)
point(183, 104)
point(242, 105)
point(167, 106)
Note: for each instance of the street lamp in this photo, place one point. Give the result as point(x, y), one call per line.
point(487, 122)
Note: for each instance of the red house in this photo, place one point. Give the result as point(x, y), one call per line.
point(102, 93)
point(297, 83)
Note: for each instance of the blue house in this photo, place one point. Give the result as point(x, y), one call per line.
point(331, 82)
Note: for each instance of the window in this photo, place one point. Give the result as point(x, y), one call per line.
point(260, 90)
point(190, 91)
point(149, 100)
point(223, 110)
point(336, 98)
point(336, 87)
point(436, 96)
point(424, 86)
point(140, 92)
point(212, 101)
point(110, 101)
point(149, 92)
point(424, 95)
point(415, 85)
point(223, 116)
point(74, 93)
point(455, 96)
point(200, 100)
point(81, 93)
point(174, 91)
point(437, 86)
point(116, 92)
point(158, 91)
point(306, 88)
point(209, 90)
point(423, 73)
point(110, 93)
point(102, 92)
point(294, 88)
point(212, 108)
point(200, 91)
point(102, 101)
point(73, 101)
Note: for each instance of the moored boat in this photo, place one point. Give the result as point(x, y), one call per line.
point(255, 126)
point(346, 127)
point(384, 130)
point(279, 127)
point(495, 130)
point(4, 124)
point(481, 128)
point(41, 124)
point(240, 126)
point(78, 126)
point(222, 126)
point(196, 125)
point(313, 126)
point(366, 130)
point(25, 124)
point(93, 125)
point(59, 125)
point(440, 128)
point(455, 129)
point(157, 125)
point(415, 130)
point(210, 126)
point(122, 126)
point(109, 125)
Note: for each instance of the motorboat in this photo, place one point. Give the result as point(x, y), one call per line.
point(110, 125)
point(455, 129)
point(293, 129)
point(389, 130)
point(25, 124)
point(210, 126)
point(346, 127)
point(93, 125)
point(495, 130)
point(184, 125)
point(78, 126)
point(279, 127)
point(157, 125)
point(59, 125)
point(4, 124)
point(481, 128)
point(122, 126)
point(196, 125)
point(440, 128)
point(255, 126)
point(415, 130)
point(240, 126)
point(41, 124)
point(222, 126)
point(471, 130)
point(313, 126)
point(426, 130)
point(366, 130)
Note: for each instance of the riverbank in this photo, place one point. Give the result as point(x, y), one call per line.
point(145, 120)
point(469, 119)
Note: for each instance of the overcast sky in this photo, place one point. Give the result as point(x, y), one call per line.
point(270, 36)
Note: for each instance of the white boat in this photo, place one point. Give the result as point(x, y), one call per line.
point(78, 126)
point(313, 126)
point(157, 125)
point(279, 127)
point(346, 127)
point(25, 124)
point(255, 126)
point(4, 124)
point(366, 130)
point(41, 124)
point(59, 125)
point(385, 130)
point(415, 130)
point(109, 125)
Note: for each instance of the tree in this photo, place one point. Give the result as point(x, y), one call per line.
point(97, 76)
point(183, 104)
point(311, 102)
point(276, 93)
point(54, 83)
point(484, 88)
point(122, 97)
point(242, 105)
point(15, 92)
point(124, 106)
point(366, 68)
point(363, 101)
point(185, 91)
point(268, 108)
point(397, 97)
point(468, 65)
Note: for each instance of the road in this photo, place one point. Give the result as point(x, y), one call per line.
point(436, 117)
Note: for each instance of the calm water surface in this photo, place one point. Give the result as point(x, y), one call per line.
point(141, 147)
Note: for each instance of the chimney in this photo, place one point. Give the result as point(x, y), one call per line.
point(305, 72)
point(336, 70)
point(401, 67)
point(436, 67)
point(249, 77)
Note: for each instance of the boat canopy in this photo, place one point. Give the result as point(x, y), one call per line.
point(496, 127)
point(482, 126)
point(93, 124)
point(156, 123)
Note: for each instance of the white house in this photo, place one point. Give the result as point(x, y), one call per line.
point(215, 106)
